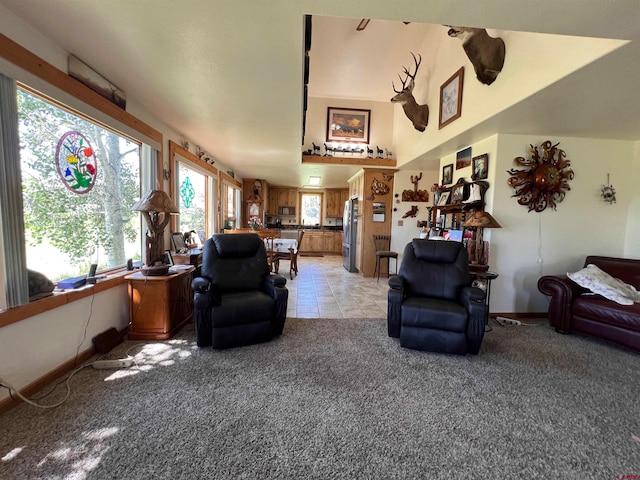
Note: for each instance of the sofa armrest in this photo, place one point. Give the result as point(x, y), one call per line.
point(562, 291)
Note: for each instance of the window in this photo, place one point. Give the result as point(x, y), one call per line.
point(231, 199)
point(311, 208)
point(194, 184)
point(79, 182)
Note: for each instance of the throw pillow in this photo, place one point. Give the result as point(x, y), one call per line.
point(598, 281)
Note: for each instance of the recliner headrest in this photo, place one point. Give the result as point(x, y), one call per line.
point(436, 251)
point(237, 245)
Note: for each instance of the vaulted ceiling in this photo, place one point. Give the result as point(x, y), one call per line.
point(227, 75)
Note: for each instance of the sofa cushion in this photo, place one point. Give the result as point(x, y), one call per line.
point(596, 280)
point(599, 309)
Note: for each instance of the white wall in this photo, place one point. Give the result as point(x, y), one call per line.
point(556, 241)
point(403, 234)
point(583, 224)
point(33, 347)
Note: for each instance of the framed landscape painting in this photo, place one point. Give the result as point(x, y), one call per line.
point(348, 125)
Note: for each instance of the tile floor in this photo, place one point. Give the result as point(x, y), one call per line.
point(324, 289)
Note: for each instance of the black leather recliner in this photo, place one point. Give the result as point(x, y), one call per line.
point(236, 300)
point(432, 305)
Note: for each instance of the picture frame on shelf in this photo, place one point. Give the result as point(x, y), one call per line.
point(348, 125)
point(463, 158)
point(168, 258)
point(444, 198)
point(447, 174)
point(480, 168)
point(451, 98)
point(458, 194)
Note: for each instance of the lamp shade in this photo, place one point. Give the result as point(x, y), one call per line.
point(156, 201)
point(482, 220)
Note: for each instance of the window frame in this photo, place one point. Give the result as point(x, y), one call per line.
point(30, 70)
point(177, 155)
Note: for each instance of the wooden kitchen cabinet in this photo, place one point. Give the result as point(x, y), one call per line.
point(159, 306)
point(272, 207)
point(313, 241)
point(335, 202)
point(287, 197)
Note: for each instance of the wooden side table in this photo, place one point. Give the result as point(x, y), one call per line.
point(485, 277)
point(159, 305)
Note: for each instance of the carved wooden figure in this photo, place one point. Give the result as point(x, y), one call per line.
point(485, 52)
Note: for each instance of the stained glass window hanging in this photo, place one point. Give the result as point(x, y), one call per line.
point(187, 191)
point(76, 162)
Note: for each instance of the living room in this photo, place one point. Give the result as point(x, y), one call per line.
point(528, 245)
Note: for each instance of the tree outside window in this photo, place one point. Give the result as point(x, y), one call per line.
point(311, 208)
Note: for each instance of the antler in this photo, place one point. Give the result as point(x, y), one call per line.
point(408, 73)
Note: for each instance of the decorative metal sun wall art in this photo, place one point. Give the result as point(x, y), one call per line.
point(544, 181)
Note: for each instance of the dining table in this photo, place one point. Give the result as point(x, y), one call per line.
point(283, 249)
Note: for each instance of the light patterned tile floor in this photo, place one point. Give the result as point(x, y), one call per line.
point(324, 289)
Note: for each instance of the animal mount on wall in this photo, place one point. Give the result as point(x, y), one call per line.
point(544, 181)
point(485, 52)
point(378, 188)
point(415, 195)
point(418, 114)
point(411, 213)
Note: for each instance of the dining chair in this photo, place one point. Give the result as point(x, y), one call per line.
point(383, 244)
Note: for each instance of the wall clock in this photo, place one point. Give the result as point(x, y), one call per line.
point(544, 181)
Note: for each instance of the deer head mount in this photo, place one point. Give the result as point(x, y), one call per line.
point(418, 114)
point(485, 52)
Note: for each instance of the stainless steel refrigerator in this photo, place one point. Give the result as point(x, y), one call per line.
point(350, 234)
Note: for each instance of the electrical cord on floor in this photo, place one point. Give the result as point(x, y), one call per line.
point(13, 390)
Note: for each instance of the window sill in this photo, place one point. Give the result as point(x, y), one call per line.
point(58, 299)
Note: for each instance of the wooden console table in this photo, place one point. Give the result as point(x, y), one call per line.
point(159, 305)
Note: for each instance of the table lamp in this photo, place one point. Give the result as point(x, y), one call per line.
point(480, 221)
point(156, 207)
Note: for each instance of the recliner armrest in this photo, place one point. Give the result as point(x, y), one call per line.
point(396, 282)
point(200, 285)
point(472, 294)
point(276, 280)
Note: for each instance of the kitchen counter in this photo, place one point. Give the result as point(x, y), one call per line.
point(307, 228)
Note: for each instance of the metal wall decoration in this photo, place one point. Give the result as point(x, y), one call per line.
point(608, 193)
point(544, 181)
point(76, 162)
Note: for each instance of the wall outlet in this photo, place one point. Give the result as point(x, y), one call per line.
point(400, 223)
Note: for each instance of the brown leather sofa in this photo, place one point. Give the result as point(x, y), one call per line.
point(573, 309)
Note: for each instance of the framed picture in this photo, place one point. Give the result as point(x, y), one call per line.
point(451, 98)
point(447, 174)
point(444, 198)
point(178, 241)
point(168, 258)
point(463, 158)
point(480, 167)
point(458, 194)
point(348, 125)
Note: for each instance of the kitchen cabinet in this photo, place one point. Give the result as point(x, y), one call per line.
point(272, 207)
point(319, 241)
point(335, 202)
point(287, 197)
